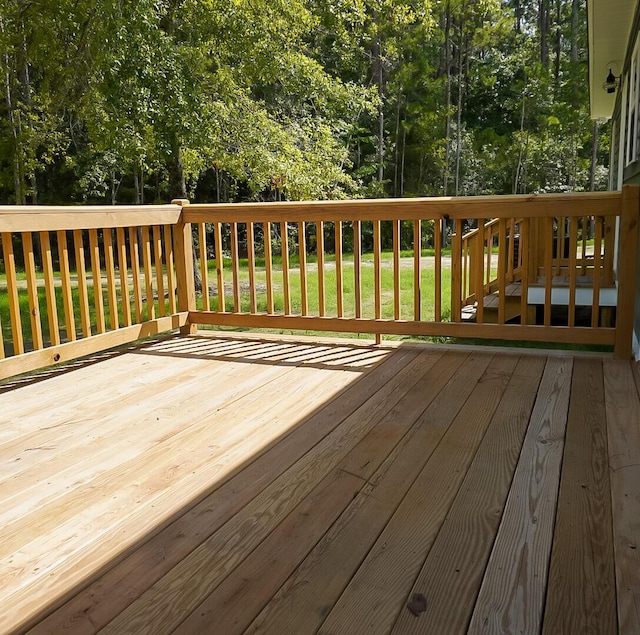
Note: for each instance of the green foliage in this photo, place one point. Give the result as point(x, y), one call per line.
point(143, 100)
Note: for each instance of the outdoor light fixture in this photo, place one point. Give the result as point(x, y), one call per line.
point(611, 83)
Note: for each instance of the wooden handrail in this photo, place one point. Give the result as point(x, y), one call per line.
point(134, 270)
point(89, 284)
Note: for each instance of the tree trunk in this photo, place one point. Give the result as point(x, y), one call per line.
point(380, 81)
point(575, 8)
point(447, 133)
point(461, 46)
point(521, 154)
point(396, 168)
point(558, 43)
point(543, 27)
point(178, 189)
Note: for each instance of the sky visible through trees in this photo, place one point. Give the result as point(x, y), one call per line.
point(141, 101)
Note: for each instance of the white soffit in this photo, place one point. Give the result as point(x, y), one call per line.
point(610, 23)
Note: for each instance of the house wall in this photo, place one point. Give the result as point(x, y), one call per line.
point(625, 146)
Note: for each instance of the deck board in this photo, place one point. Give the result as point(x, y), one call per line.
point(469, 530)
point(511, 599)
point(228, 484)
point(581, 587)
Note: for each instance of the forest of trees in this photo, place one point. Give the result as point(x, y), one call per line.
point(141, 101)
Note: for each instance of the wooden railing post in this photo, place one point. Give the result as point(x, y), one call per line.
point(183, 247)
point(627, 271)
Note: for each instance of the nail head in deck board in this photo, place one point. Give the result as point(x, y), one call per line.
point(456, 562)
point(299, 606)
point(242, 595)
point(378, 591)
point(623, 427)
point(163, 491)
point(102, 600)
point(185, 586)
point(581, 588)
point(511, 599)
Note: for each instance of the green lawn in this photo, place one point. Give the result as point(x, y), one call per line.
point(330, 283)
point(367, 293)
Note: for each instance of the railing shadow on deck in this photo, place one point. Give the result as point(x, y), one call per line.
point(259, 352)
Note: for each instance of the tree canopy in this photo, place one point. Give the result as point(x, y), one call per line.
point(132, 101)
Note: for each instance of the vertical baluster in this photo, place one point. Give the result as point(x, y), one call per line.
point(548, 269)
point(124, 276)
point(320, 258)
point(302, 251)
point(503, 254)
point(268, 264)
point(235, 268)
point(573, 270)
point(217, 237)
point(50, 288)
point(377, 271)
point(488, 242)
point(437, 243)
point(609, 236)
point(98, 300)
point(251, 256)
point(339, 270)
point(81, 271)
point(523, 251)
point(560, 245)
point(284, 241)
point(512, 249)
point(396, 269)
point(204, 268)
point(148, 273)
point(417, 275)
point(485, 237)
point(134, 250)
point(597, 271)
point(357, 266)
point(585, 220)
point(468, 255)
point(12, 291)
point(170, 265)
point(456, 272)
point(110, 267)
point(157, 253)
point(2, 354)
point(65, 279)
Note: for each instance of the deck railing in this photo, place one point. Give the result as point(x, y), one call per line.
point(88, 278)
point(78, 280)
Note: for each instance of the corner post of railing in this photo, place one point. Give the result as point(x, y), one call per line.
point(183, 247)
point(627, 270)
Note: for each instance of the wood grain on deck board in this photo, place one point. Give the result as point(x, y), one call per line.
point(111, 593)
point(623, 426)
point(581, 588)
point(511, 598)
point(302, 603)
point(456, 561)
point(376, 593)
point(185, 586)
point(58, 458)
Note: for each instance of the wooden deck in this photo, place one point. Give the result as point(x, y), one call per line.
point(227, 484)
